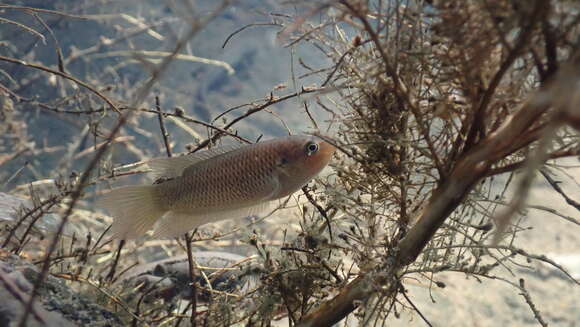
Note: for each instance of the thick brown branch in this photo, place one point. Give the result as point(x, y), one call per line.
point(445, 199)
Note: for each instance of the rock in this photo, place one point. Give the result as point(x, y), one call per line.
point(12, 207)
point(169, 278)
point(56, 305)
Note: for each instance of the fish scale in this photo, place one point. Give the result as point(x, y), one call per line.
point(221, 183)
point(242, 183)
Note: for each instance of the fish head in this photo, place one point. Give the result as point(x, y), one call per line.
point(301, 159)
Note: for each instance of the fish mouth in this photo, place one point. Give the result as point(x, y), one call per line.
point(326, 149)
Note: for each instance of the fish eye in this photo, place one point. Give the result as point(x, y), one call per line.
point(311, 148)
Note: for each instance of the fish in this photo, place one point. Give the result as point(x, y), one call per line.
point(224, 182)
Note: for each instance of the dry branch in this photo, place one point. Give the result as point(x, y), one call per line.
point(469, 170)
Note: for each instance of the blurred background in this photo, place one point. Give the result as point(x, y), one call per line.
point(234, 57)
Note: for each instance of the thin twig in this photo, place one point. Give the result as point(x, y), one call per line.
point(404, 293)
point(115, 263)
point(245, 27)
point(164, 133)
point(63, 75)
point(269, 102)
point(50, 201)
point(477, 129)
point(24, 27)
point(16, 173)
point(320, 209)
point(59, 55)
point(531, 304)
point(188, 240)
point(85, 177)
point(555, 185)
point(163, 54)
point(44, 11)
point(76, 195)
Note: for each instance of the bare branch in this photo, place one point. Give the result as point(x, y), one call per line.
point(531, 304)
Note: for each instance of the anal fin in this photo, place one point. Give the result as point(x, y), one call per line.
point(177, 223)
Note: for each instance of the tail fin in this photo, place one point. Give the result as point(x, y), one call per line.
point(135, 209)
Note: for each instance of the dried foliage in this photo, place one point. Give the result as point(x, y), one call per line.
point(431, 104)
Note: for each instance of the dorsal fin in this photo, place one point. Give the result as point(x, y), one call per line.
point(174, 166)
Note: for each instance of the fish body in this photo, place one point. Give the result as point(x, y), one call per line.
point(212, 185)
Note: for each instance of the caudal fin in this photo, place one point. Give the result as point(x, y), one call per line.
point(135, 210)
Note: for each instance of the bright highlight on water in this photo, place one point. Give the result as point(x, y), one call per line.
point(222, 183)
